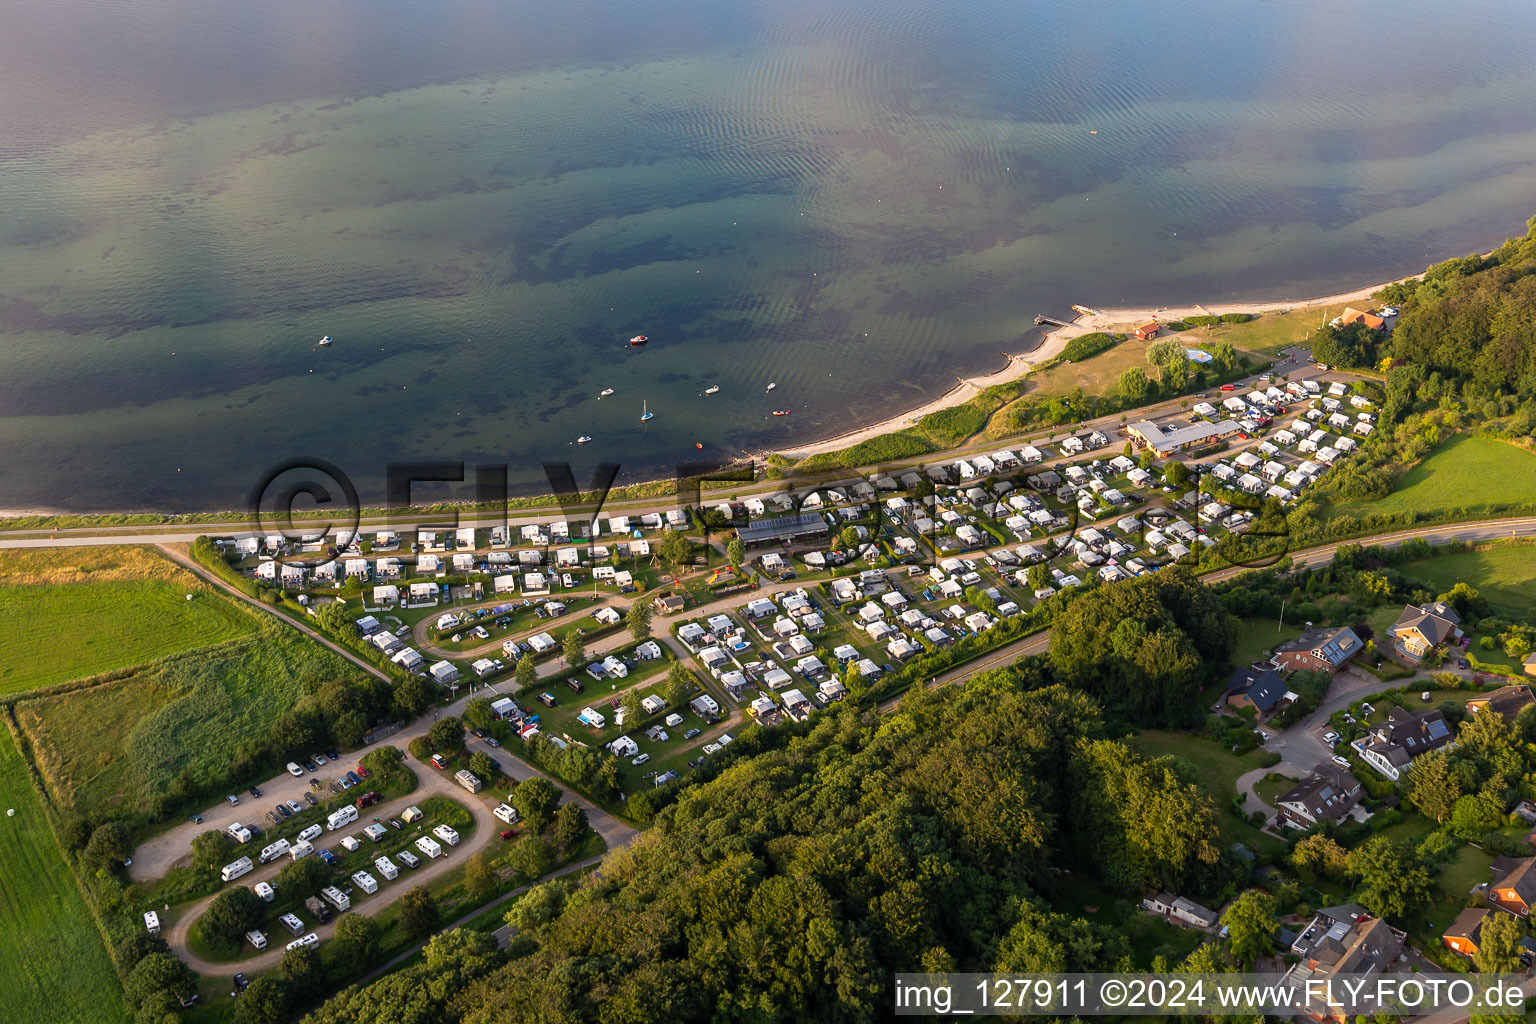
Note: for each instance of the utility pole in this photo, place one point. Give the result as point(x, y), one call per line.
point(1281, 623)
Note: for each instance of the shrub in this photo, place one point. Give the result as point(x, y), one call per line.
point(1087, 345)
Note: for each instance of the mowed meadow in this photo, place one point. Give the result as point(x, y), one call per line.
point(53, 965)
point(70, 613)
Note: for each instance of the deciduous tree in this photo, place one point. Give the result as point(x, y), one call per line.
point(418, 912)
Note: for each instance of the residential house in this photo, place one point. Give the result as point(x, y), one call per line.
point(1260, 689)
point(1507, 701)
point(1181, 909)
point(1420, 629)
point(1465, 933)
point(1391, 746)
point(1318, 650)
point(1328, 797)
point(1366, 945)
point(1514, 885)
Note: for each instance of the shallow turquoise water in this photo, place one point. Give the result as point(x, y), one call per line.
point(857, 201)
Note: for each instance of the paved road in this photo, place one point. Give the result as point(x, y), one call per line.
point(1494, 529)
point(614, 831)
point(1248, 780)
point(1296, 365)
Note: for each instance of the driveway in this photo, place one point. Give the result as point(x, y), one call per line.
point(1248, 780)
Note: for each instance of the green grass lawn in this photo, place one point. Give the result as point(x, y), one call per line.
point(1267, 334)
point(1259, 636)
point(52, 960)
point(1472, 474)
point(1466, 869)
point(114, 747)
point(1217, 766)
point(1505, 574)
point(105, 613)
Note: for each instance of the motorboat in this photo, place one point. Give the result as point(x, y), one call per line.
point(583, 439)
point(781, 412)
point(325, 341)
point(712, 390)
point(771, 387)
point(638, 340)
point(605, 392)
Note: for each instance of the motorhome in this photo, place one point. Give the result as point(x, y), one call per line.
point(429, 848)
point(446, 834)
point(339, 817)
point(274, 851)
point(336, 898)
point(236, 869)
point(364, 881)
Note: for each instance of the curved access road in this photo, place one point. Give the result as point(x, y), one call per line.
point(171, 846)
point(1036, 643)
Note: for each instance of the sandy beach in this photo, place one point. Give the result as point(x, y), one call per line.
point(1051, 344)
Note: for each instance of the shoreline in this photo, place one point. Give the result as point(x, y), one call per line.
point(1018, 365)
point(1051, 344)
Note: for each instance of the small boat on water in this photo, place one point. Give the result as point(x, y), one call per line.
point(645, 412)
point(605, 392)
point(771, 387)
point(638, 340)
point(583, 439)
point(781, 412)
point(712, 390)
point(325, 341)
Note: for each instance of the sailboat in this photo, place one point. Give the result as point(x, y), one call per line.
point(645, 412)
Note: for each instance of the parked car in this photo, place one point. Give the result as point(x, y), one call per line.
point(332, 754)
point(508, 833)
point(241, 982)
point(492, 741)
point(232, 800)
point(396, 823)
point(256, 792)
point(284, 811)
point(363, 772)
point(197, 819)
point(1330, 737)
point(354, 778)
point(314, 802)
point(639, 759)
point(1342, 762)
point(273, 817)
point(317, 758)
point(690, 734)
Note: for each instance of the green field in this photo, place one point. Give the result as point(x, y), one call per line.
point(1259, 636)
point(52, 960)
point(1474, 474)
point(1504, 574)
point(115, 746)
point(1269, 333)
point(70, 613)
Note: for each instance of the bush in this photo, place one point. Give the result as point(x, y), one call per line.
point(1087, 345)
